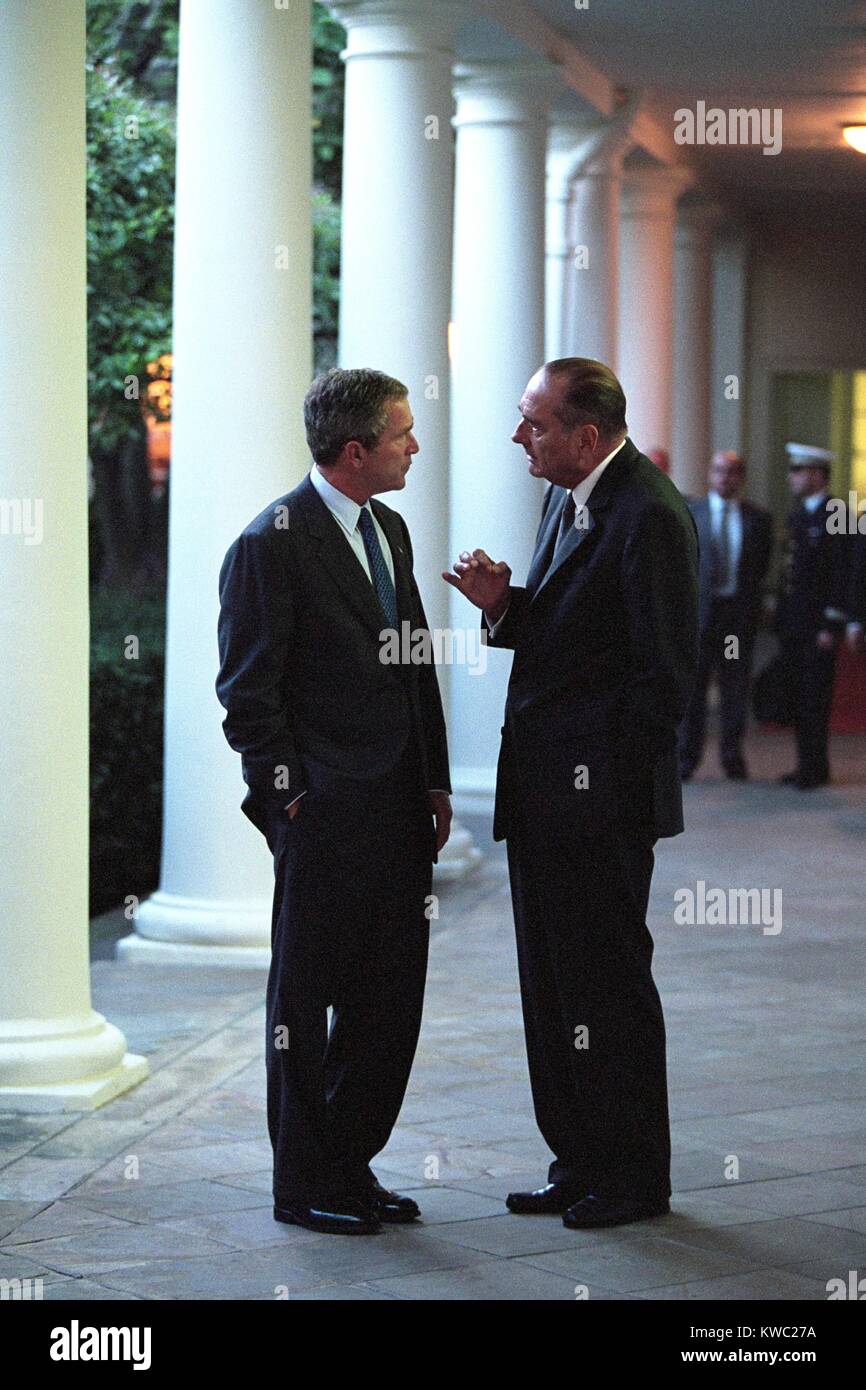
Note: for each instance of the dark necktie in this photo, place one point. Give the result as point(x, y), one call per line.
point(382, 582)
point(723, 550)
point(566, 524)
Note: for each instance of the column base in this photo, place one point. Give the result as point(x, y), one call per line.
point(77, 1062)
point(188, 931)
point(75, 1095)
point(142, 950)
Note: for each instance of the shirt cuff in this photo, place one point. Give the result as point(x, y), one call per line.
point(493, 628)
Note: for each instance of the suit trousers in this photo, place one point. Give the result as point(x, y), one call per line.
point(585, 955)
point(812, 673)
point(349, 932)
point(734, 675)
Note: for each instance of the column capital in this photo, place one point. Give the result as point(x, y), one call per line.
point(652, 191)
point(564, 140)
point(591, 150)
point(503, 93)
point(398, 28)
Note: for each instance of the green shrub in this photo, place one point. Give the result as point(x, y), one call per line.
point(126, 722)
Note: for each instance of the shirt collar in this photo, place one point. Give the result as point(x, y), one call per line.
point(716, 501)
point(585, 486)
point(344, 508)
point(815, 501)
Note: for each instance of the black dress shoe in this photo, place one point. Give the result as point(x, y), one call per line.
point(391, 1207)
point(808, 781)
point(789, 779)
point(544, 1201)
point(337, 1216)
point(687, 771)
point(736, 770)
point(591, 1212)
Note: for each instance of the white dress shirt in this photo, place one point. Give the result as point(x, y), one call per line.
point(735, 538)
point(816, 500)
point(581, 497)
point(346, 512)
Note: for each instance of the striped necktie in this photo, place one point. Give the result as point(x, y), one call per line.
point(382, 582)
point(566, 522)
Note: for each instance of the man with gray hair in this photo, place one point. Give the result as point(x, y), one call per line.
point(346, 764)
point(604, 635)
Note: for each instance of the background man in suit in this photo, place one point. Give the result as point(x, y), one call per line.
point(346, 762)
point(810, 614)
point(857, 592)
point(736, 540)
point(605, 645)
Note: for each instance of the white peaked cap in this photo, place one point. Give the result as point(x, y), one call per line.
point(808, 453)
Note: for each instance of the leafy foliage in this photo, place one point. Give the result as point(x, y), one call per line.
point(329, 40)
point(326, 278)
point(126, 721)
point(130, 227)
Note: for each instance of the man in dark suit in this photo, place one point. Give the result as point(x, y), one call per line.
point(605, 641)
point(736, 540)
point(810, 614)
point(345, 759)
point(857, 590)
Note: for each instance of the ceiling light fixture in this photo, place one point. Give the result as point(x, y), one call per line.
point(856, 137)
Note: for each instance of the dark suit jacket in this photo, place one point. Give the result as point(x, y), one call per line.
point(754, 560)
point(300, 677)
point(814, 584)
point(605, 657)
point(857, 586)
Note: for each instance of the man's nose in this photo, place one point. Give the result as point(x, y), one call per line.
point(517, 437)
point(414, 446)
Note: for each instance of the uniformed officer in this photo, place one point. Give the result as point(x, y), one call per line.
point(857, 592)
point(810, 617)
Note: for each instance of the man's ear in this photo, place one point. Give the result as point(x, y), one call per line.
point(589, 437)
point(354, 454)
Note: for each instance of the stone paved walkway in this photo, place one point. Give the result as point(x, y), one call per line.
point(165, 1194)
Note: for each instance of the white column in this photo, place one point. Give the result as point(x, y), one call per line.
point(564, 138)
point(242, 363)
point(584, 170)
point(499, 343)
point(56, 1053)
point(693, 293)
point(395, 278)
point(590, 326)
point(646, 301)
point(729, 327)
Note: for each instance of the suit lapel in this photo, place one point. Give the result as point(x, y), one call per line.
point(546, 541)
point(339, 560)
point(583, 539)
point(704, 525)
point(746, 522)
point(576, 536)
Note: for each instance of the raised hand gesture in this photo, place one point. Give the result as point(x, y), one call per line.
point(483, 581)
